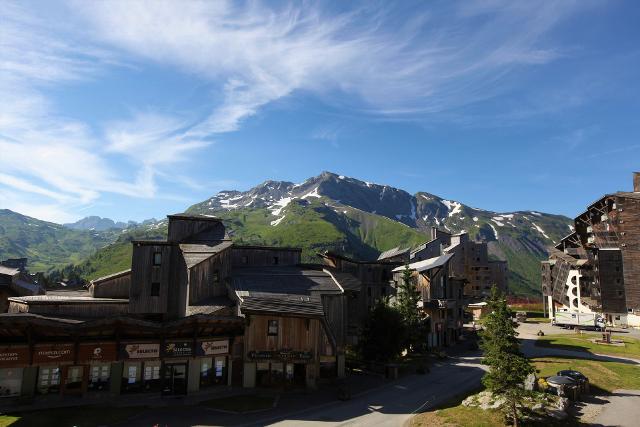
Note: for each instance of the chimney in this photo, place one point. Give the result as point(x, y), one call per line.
point(434, 232)
point(636, 182)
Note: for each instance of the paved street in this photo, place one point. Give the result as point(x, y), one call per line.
point(390, 404)
point(394, 404)
point(623, 409)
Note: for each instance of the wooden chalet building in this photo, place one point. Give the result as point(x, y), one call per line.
point(442, 301)
point(471, 262)
point(597, 267)
point(364, 283)
point(194, 311)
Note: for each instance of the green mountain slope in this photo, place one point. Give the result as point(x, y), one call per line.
point(313, 226)
point(45, 244)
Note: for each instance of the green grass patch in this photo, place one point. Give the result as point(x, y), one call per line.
point(606, 376)
point(81, 416)
point(581, 342)
point(246, 403)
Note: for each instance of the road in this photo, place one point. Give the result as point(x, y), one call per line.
point(394, 404)
point(622, 410)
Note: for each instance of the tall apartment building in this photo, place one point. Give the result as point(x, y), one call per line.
point(596, 268)
point(470, 262)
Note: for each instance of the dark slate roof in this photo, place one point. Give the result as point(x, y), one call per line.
point(283, 304)
point(348, 281)
point(196, 253)
point(198, 217)
point(60, 300)
point(111, 276)
point(218, 305)
point(397, 251)
point(282, 280)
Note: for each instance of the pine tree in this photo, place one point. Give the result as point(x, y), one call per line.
point(407, 304)
point(508, 368)
point(383, 333)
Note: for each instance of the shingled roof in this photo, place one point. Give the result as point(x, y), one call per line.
point(283, 305)
point(196, 253)
point(397, 251)
point(283, 280)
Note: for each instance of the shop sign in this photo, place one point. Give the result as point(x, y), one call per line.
point(208, 348)
point(53, 353)
point(177, 349)
point(280, 355)
point(140, 351)
point(12, 356)
point(97, 352)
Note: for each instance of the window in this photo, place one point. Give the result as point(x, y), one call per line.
point(155, 289)
point(157, 258)
point(244, 259)
point(216, 276)
point(272, 328)
point(11, 381)
point(275, 260)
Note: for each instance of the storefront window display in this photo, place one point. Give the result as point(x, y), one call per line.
point(73, 381)
point(99, 375)
point(48, 380)
point(10, 382)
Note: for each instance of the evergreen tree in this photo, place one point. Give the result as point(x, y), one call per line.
point(508, 368)
point(383, 333)
point(407, 303)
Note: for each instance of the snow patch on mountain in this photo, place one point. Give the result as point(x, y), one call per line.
point(452, 206)
point(540, 230)
point(495, 231)
point(279, 205)
point(313, 193)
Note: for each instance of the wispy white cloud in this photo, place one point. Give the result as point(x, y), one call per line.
point(438, 60)
point(64, 160)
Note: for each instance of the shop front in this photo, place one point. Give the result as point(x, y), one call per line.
point(281, 368)
point(56, 370)
point(213, 361)
point(141, 367)
point(96, 359)
point(13, 359)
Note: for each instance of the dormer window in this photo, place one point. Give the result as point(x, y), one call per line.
point(157, 259)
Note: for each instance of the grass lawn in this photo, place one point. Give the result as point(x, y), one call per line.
point(458, 416)
point(607, 376)
point(82, 416)
point(244, 403)
point(581, 342)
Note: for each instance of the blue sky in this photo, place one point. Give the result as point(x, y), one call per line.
point(132, 110)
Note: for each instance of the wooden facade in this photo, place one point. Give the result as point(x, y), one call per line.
point(607, 236)
point(177, 314)
point(470, 263)
point(442, 297)
point(113, 286)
